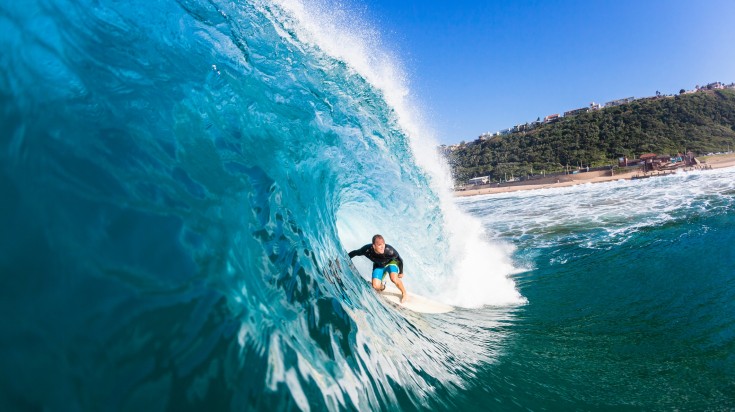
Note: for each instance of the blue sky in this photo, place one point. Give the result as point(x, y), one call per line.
point(482, 66)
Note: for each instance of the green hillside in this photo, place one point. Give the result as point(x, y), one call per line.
point(700, 122)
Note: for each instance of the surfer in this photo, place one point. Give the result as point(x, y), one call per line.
point(385, 260)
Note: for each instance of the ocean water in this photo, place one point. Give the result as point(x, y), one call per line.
point(630, 289)
point(181, 182)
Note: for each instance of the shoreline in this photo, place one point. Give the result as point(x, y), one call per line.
point(713, 162)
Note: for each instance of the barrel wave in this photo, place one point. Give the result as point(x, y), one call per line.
point(181, 182)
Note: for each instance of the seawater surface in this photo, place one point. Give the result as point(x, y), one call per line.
point(181, 182)
point(630, 289)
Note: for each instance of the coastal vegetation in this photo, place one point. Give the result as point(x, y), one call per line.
point(700, 122)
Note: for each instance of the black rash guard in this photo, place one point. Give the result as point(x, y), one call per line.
point(379, 261)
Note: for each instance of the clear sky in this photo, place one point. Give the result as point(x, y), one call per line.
point(481, 66)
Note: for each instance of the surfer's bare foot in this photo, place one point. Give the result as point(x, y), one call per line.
point(404, 297)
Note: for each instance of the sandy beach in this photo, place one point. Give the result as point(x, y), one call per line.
point(714, 162)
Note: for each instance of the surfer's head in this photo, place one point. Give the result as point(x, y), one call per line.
point(378, 244)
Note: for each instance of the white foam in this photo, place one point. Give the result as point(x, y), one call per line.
point(478, 270)
point(620, 209)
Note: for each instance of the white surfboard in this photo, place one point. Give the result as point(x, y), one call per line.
point(414, 302)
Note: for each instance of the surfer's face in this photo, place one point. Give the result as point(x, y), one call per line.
point(379, 246)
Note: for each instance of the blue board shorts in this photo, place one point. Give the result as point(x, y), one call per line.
point(381, 273)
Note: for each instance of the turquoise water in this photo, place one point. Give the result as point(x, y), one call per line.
point(181, 182)
point(630, 290)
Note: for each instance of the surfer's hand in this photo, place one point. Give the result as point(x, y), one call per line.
point(400, 275)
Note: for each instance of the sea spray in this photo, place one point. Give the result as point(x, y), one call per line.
point(456, 263)
point(180, 182)
point(183, 182)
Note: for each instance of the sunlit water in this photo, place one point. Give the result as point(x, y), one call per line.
point(630, 287)
point(181, 182)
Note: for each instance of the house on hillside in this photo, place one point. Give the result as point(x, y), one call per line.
point(523, 127)
point(576, 112)
point(619, 102)
point(551, 118)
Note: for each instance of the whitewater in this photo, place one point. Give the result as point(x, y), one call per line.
point(181, 183)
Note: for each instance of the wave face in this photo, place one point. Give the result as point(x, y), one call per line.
point(181, 182)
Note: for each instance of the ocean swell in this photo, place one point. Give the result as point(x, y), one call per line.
point(181, 183)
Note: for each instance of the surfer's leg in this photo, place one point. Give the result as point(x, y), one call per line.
point(394, 278)
point(378, 285)
point(378, 279)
